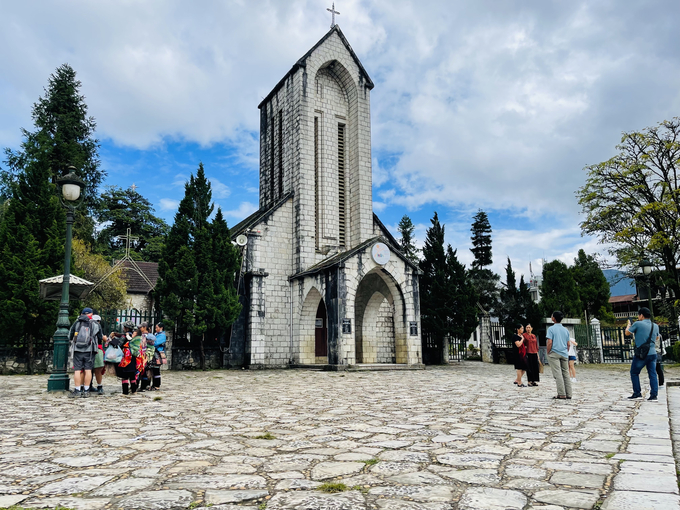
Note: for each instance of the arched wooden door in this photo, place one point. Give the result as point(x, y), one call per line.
point(321, 332)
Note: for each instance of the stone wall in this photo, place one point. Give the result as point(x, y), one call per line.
point(190, 359)
point(10, 364)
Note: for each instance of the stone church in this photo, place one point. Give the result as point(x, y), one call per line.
point(322, 282)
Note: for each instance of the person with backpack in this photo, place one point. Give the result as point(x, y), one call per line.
point(85, 336)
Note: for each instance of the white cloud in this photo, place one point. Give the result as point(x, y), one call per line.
point(168, 204)
point(219, 189)
point(244, 210)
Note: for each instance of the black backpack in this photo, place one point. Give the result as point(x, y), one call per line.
point(84, 335)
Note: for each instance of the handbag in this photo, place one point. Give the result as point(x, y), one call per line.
point(642, 351)
point(540, 367)
point(113, 354)
point(164, 358)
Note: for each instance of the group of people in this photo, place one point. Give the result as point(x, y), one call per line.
point(561, 351)
point(135, 355)
point(562, 355)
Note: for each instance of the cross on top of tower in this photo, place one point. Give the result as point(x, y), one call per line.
point(133, 187)
point(333, 13)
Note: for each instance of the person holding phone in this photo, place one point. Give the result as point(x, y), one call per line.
point(644, 330)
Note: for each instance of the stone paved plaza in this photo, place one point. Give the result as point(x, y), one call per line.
point(456, 437)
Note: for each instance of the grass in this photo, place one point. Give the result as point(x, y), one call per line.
point(332, 487)
point(195, 504)
point(266, 435)
point(157, 398)
point(610, 455)
point(370, 462)
point(261, 506)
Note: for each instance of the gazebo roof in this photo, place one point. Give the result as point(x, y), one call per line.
point(50, 288)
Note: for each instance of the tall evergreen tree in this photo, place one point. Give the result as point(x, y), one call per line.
point(63, 136)
point(448, 300)
point(433, 287)
point(462, 299)
point(558, 290)
point(198, 266)
point(516, 303)
point(406, 229)
point(481, 240)
point(593, 287)
point(485, 281)
point(121, 209)
point(31, 248)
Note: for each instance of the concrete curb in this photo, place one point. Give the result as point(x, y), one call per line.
point(647, 479)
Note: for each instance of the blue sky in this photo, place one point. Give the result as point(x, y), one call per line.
point(488, 104)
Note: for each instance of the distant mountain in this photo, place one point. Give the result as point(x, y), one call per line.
point(619, 284)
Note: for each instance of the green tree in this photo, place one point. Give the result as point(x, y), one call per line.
point(481, 241)
point(510, 310)
point(592, 286)
point(32, 238)
point(406, 229)
point(448, 300)
point(462, 299)
point(198, 266)
point(632, 201)
point(558, 290)
point(485, 281)
point(109, 293)
point(122, 209)
point(63, 136)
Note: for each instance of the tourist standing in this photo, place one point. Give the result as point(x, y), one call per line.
point(532, 356)
point(572, 359)
point(645, 333)
point(99, 365)
point(519, 352)
point(84, 336)
point(159, 355)
point(557, 340)
point(127, 366)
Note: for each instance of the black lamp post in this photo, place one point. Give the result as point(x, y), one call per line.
point(646, 266)
point(71, 187)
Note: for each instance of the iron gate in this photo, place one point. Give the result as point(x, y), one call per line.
point(433, 348)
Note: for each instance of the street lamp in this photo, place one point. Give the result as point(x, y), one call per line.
point(646, 266)
point(71, 187)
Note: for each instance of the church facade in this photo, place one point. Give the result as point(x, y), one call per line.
point(323, 281)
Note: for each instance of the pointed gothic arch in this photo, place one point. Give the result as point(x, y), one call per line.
point(313, 309)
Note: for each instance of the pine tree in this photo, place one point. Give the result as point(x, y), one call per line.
point(122, 209)
point(31, 248)
point(433, 287)
point(406, 229)
point(485, 281)
point(198, 266)
point(481, 241)
point(558, 290)
point(63, 136)
point(463, 299)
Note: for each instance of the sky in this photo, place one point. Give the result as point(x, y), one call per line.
point(492, 105)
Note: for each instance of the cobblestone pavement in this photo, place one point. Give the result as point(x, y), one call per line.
point(458, 437)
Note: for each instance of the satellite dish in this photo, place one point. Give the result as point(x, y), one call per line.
point(241, 240)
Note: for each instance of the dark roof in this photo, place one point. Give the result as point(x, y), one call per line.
point(258, 216)
point(303, 63)
point(136, 284)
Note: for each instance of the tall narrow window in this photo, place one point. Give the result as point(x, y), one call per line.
point(316, 182)
point(341, 185)
point(280, 193)
point(272, 179)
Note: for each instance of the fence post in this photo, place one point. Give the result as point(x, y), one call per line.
point(485, 338)
point(595, 324)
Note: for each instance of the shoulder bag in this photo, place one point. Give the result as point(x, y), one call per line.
point(642, 351)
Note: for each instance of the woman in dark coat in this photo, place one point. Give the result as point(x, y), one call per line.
point(532, 356)
point(519, 351)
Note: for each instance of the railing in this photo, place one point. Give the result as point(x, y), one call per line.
point(113, 320)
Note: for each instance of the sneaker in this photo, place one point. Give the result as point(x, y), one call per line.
point(84, 394)
point(92, 389)
point(635, 397)
point(74, 394)
point(100, 391)
point(652, 399)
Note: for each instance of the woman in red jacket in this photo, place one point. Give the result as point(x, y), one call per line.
point(532, 356)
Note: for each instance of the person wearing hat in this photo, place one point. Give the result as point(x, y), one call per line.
point(127, 366)
point(99, 366)
point(85, 336)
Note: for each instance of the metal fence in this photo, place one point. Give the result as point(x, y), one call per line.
point(112, 320)
point(586, 336)
point(619, 348)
